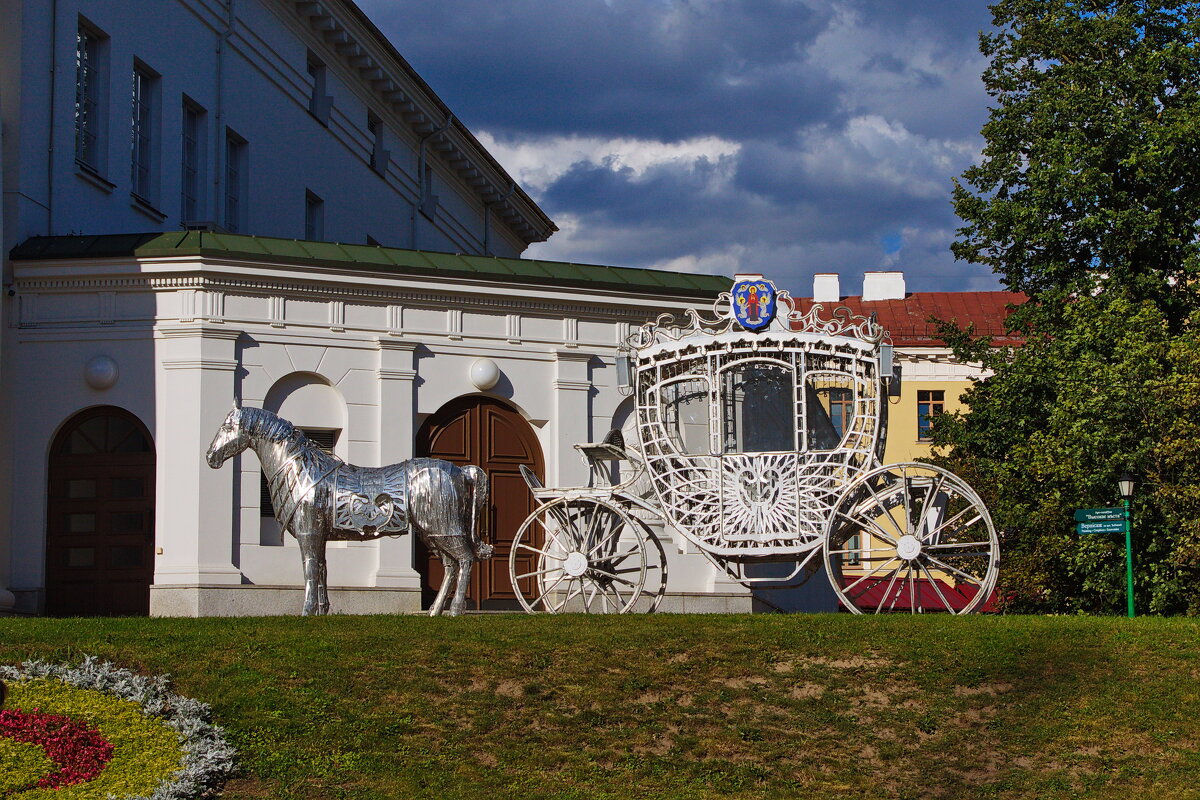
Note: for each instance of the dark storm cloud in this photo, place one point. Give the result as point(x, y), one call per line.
point(785, 136)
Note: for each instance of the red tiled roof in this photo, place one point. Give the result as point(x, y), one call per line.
point(908, 319)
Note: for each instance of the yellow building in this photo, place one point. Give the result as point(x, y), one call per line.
point(932, 380)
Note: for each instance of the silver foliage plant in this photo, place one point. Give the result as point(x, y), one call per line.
point(208, 760)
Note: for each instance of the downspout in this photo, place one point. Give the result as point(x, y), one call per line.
point(422, 195)
point(53, 103)
point(219, 138)
point(487, 218)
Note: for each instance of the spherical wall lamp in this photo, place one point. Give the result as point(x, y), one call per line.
point(484, 374)
point(101, 372)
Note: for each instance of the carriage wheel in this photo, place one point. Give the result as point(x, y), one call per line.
point(586, 555)
point(911, 537)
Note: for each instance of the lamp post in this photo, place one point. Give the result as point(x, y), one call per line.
point(1125, 486)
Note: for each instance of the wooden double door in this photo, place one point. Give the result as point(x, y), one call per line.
point(100, 516)
point(493, 436)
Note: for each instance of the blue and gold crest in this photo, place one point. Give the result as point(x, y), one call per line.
point(754, 303)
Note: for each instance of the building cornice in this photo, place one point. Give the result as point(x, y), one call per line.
point(364, 50)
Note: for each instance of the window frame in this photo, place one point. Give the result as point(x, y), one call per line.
point(91, 97)
point(193, 127)
point(145, 117)
point(314, 217)
point(236, 168)
point(320, 103)
point(936, 406)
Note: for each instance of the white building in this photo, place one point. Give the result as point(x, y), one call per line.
point(270, 129)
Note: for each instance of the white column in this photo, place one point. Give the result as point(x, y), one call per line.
point(397, 407)
point(195, 513)
point(572, 416)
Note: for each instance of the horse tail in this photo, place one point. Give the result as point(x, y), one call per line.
point(477, 480)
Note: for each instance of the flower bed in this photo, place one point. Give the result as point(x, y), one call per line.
point(97, 730)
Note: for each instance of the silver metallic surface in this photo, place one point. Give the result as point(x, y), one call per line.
point(317, 498)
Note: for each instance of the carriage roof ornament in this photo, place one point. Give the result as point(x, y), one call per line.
point(754, 305)
point(753, 301)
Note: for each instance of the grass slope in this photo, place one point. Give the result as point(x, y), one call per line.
point(830, 706)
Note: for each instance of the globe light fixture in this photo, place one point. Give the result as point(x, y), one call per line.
point(484, 374)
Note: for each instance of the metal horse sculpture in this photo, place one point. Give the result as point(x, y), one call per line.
point(318, 497)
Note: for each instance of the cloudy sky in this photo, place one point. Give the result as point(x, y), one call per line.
point(778, 136)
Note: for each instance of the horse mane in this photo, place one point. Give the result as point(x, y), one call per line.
point(267, 426)
point(263, 424)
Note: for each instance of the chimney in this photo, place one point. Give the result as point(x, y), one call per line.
point(826, 288)
point(887, 285)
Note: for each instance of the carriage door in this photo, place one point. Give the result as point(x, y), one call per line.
point(100, 516)
point(492, 435)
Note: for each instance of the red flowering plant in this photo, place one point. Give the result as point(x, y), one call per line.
point(79, 752)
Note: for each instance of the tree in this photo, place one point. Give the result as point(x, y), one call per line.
point(1087, 198)
point(1088, 175)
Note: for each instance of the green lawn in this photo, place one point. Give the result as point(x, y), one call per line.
point(826, 706)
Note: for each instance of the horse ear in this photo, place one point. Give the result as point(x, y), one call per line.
point(236, 404)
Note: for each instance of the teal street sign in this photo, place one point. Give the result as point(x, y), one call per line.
point(1099, 514)
point(1104, 526)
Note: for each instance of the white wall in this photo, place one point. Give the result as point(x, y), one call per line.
point(369, 356)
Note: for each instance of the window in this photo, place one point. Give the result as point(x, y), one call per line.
point(684, 408)
point(143, 122)
point(759, 408)
point(90, 85)
point(314, 217)
point(324, 438)
point(319, 103)
point(828, 408)
point(930, 403)
point(191, 155)
point(379, 156)
point(235, 181)
point(854, 544)
point(841, 410)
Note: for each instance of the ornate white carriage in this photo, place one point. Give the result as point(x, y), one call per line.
point(759, 439)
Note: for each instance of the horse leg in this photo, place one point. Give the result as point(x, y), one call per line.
point(447, 580)
point(312, 551)
point(465, 562)
point(459, 549)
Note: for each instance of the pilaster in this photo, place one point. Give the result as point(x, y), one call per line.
point(194, 519)
point(397, 401)
point(572, 415)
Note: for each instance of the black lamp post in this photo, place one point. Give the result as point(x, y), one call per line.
point(1125, 485)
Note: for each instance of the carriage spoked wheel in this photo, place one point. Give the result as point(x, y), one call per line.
point(586, 555)
point(911, 538)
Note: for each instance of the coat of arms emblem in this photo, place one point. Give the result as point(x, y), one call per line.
point(754, 303)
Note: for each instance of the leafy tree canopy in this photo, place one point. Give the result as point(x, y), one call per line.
point(1088, 175)
point(1087, 198)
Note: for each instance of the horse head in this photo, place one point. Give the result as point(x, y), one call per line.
point(230, 440)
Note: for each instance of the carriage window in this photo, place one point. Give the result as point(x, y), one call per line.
point(685, 413)
point(757, 403)
point(829, 407)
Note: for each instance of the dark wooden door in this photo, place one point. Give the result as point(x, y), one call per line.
point(492, 435)
point(100, 517)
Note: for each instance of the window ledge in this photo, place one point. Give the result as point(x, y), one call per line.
point(89, 174)
point(146, 207)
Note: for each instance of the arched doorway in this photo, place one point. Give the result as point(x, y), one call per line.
point(490, 434)
point(100, 516)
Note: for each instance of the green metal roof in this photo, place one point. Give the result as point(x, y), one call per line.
point(370, 258)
